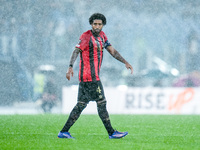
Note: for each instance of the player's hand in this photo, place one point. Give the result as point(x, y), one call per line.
point(69, 73)
point(128, 66)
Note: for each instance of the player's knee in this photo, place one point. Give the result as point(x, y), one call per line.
point(101, 105)
point(81, 105)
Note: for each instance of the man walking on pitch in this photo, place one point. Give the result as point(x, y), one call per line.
point(90, 47)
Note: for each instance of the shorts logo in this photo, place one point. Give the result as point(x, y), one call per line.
point(98, 90)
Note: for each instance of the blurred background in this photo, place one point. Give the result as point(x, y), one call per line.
point(160, 38)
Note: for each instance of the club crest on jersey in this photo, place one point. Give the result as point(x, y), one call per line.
point(99, 49)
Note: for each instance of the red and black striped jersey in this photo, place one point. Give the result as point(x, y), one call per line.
point(91, 55)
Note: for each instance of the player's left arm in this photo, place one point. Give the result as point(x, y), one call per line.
point(117, 56)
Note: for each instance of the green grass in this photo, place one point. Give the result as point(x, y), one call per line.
point(145, 132)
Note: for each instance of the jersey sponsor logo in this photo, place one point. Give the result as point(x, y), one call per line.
point(99, 47)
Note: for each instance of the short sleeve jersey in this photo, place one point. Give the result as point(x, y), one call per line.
point(91, 55)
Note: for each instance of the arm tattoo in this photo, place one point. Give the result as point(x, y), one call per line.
point(117, 56)
point(74, 56)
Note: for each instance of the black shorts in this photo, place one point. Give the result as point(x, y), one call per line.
point(90, 91)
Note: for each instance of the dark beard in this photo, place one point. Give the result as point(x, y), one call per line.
point(95, 33)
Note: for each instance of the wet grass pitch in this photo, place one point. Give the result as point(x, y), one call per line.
point(145, 132)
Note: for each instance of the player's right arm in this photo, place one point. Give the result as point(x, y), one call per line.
point(74, 56)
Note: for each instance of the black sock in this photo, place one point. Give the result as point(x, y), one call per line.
point(103, 114)
point(74, 115)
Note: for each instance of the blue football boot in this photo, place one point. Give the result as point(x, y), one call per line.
point(118, 135)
